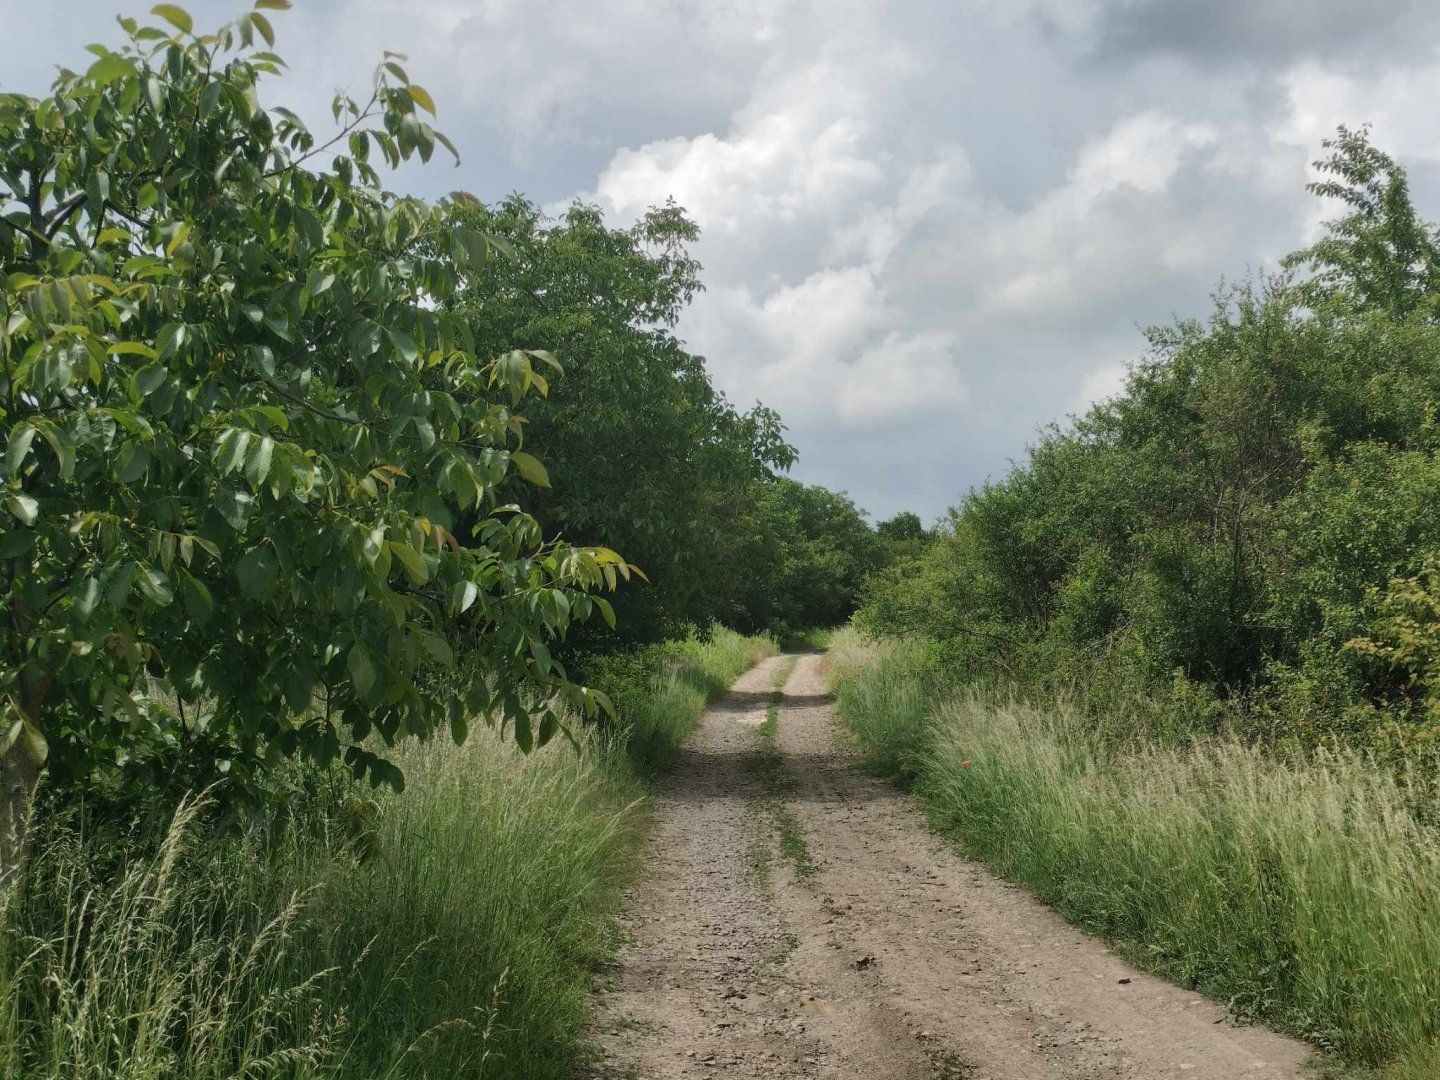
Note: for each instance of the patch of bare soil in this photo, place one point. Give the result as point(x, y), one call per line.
point(879, 953)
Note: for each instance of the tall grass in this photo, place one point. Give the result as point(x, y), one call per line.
point(1302, 891)
point(882, 697)
point(125, 966)
point(661, 690)
point(449, 931)
point(468, 937)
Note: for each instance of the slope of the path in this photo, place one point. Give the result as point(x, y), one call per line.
point(890, 957)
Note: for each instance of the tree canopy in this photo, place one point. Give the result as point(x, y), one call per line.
point(259, 475)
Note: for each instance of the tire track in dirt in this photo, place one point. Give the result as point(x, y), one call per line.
point(892, 957)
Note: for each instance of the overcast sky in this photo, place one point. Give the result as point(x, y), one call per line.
point(929, 227)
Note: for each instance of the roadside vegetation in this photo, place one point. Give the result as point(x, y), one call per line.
point(1177, 671)
point(453, 929)
point(329, 703)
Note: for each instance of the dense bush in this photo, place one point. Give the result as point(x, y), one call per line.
point(256, 486)
point(687, 486)
point(807, 553)
point(1221, 537)
point(1177, 672)
point(660, 690)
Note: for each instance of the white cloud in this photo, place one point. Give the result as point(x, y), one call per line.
point(1100, 384)
point(899, 378)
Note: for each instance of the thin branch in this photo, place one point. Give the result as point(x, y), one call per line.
point(23, 230)
point(363, 115)
point(61, 212)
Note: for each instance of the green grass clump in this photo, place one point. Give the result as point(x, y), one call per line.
point(770, 764)
point(121, 963)
point(468, 939)
point(880, 691)
point(812, 639)
point(453, 930)
point(1301, 890)
point(661, 690)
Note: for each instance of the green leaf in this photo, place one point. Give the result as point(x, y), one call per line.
point(459, 723)
point(109, 68)
point(133, 462)
point(234, 506)
point(24, 507)
point(175, 15)
point(230, 450)
point(130, 348)
point(148, 379)
point(155, 92)
point(272, 5)
point(606, 611)
point(404, 344)
point(210, 98)
point(97, 188)
point(181, 235)
point(599, 697)
point(437, 648)
point(318, 283)
point(85, 597)
point(258, 466)
point(256, 571)
point(421, 97)
point(263, 25)
point(63, 446)
point(530, 468)
point(412, 561)
point(118, 582)
point(364, 338)
point(362, 671)
point(199, 602)
point(464, 595)
point(373, 544)
point(17, 447)
point(156, 587)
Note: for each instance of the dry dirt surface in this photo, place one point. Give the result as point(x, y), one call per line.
point(799, 920)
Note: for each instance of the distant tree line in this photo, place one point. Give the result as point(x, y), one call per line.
point(643, 453)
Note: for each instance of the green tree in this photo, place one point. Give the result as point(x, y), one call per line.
point(1248, 514)
point(807, 552)
point(644, 455)
point(1380, 254)
point(252, 471)
point(904, 526)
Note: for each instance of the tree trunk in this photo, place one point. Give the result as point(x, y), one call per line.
point(21, 774)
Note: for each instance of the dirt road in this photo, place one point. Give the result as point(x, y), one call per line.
point(799, 920)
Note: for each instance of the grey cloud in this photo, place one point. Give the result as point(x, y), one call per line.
point(1240, 31)
point(929, 229)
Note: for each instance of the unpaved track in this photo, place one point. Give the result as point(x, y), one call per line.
point(895, 958)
